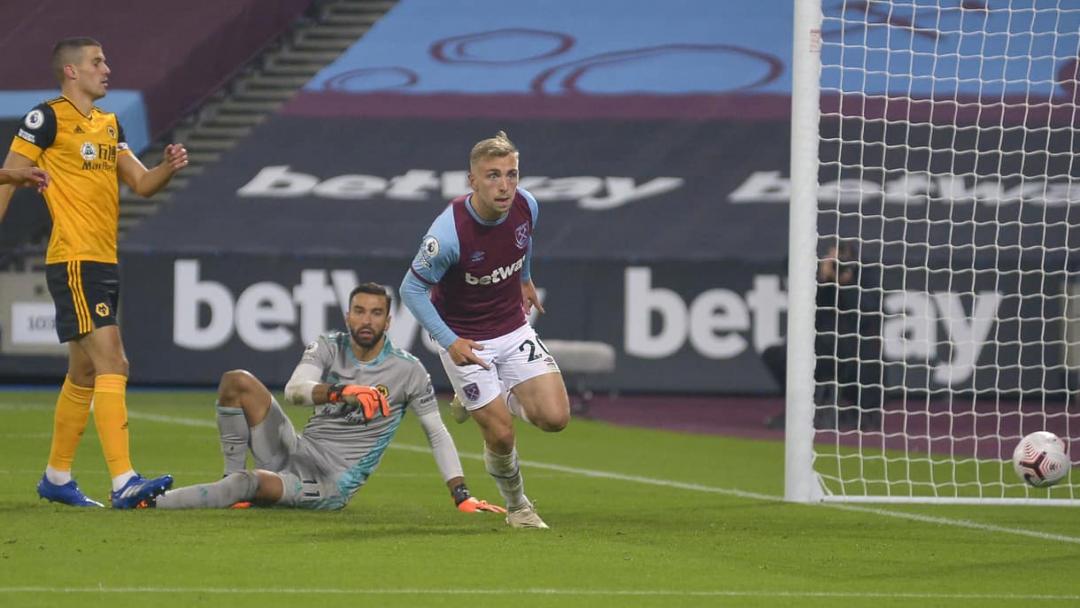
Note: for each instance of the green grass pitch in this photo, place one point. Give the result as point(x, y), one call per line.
point(639, 518)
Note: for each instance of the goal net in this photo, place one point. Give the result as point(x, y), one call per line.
point(935, 248)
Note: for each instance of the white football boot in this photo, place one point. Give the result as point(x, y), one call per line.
point(525, 517)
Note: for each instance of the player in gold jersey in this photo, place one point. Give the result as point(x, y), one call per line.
point(83, 150)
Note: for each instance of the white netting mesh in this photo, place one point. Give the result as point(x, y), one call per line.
point(948, 182)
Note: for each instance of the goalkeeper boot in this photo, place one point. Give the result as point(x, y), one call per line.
point(68, 493)
point(140, 490)
point(525, 517)
point(457, 410)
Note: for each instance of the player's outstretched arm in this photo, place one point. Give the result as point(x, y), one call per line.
point(446, 458)
point(467, 503)
point(19, 171)
point(148, 182)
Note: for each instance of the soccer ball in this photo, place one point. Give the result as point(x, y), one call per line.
point(1040, 459)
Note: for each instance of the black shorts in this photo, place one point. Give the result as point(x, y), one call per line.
point(86, 295)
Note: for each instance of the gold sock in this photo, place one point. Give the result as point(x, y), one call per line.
point(69, 422)
point(110, 417)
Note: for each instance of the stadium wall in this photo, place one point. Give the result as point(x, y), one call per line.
point(175, 55)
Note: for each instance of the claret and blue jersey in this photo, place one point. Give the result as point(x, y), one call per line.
point(473, 269)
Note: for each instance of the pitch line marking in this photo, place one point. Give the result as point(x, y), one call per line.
point(929, 519)
point(547, 592)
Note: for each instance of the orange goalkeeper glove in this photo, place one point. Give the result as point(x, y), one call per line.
point(466, 503)
point(365, 398)
point(472, 505)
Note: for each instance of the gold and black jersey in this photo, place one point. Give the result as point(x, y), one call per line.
point(80, 153)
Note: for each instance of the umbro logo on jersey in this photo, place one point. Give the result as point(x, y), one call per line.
point(79, 129)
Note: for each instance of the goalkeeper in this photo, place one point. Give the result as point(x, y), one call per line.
point(360, 387)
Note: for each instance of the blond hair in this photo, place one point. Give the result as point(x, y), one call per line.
point(498, 147)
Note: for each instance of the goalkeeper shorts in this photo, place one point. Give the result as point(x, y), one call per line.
point(309, 471)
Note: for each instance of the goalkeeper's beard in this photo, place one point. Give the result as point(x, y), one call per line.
point(364, 342)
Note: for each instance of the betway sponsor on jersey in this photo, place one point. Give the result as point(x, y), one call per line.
point(590, 192)
point(497, 275)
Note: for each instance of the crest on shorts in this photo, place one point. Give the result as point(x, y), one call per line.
point(472, 391)
point(102, 309)
point(521, 235)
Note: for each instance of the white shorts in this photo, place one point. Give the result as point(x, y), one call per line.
point(514, 358)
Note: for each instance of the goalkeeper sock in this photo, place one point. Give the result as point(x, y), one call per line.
point(234, 433)
point(506, 472)
point(237, 487)
point(69, 421)
point(110, 418)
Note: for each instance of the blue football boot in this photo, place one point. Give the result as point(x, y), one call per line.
point(140, 491)
point(68, 493)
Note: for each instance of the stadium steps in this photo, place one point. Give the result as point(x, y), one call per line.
point(316, 40)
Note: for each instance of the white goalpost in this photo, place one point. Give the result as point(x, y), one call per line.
point(934, 248)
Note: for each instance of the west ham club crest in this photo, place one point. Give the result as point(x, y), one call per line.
point(472, 391)
point(521, 235)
